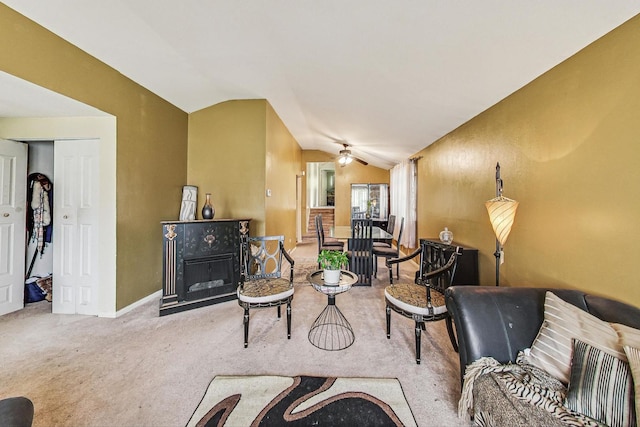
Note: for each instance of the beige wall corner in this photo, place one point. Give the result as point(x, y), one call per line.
point(243, 154)
point(227, 149)
point(283, 162)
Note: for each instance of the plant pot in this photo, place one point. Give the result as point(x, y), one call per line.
point(331, 277)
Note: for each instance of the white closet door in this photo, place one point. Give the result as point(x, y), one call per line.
point(75, 226)
point(13, 194)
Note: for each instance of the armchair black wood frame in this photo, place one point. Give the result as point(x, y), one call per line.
point(262, 284)
point(423, 300)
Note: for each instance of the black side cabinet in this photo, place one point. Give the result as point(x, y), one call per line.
point(467, 268)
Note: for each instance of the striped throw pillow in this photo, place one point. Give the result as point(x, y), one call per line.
point(601, 386)
point(633, 354)
point(552, 348)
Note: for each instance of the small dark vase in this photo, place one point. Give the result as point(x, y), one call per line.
point(207, 209)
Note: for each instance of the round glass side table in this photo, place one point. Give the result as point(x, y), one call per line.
point(331, 330)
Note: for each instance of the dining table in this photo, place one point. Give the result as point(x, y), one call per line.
point(343, 232)
point(364, 270)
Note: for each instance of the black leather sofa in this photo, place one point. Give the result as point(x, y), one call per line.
point(16, 412)
point(498, 322)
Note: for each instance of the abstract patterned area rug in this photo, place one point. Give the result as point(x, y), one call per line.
point(302, 401)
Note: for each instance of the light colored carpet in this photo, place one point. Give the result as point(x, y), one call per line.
point(144, 370)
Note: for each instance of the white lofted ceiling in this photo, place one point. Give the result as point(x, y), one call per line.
point(388, 77)
point(20, 98)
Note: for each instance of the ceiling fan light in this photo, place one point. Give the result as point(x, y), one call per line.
point(345, 160)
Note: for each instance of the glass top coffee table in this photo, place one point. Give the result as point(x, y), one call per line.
point(331, 330)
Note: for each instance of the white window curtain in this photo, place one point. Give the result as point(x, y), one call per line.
point(404, 187)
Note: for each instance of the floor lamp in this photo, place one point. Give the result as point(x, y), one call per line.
point(502, 212)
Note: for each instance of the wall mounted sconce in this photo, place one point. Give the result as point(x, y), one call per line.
point(502, 212)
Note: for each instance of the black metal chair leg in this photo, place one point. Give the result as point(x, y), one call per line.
point(452, 335)
point(388, 322)
point(419, 327)
point(246, 327)
point(279, 312)
point(288, 320)
point(375, 265)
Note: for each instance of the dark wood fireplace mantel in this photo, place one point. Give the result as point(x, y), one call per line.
point(200, 262)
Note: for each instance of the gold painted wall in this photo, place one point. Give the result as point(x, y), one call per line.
point(566, 142)
point(238, 150)
point(151, 142)
point(283, 163)
point(568, 146)
point(226, 158)
point(354, 173)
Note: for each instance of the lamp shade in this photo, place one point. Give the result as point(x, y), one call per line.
point(502, 212)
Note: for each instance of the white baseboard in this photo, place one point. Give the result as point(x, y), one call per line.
point(154, 296)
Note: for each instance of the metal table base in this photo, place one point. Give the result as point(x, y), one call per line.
point(331, 330)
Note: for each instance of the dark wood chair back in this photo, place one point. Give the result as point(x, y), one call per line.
point(361, 250)
point(264, 257)
point(320, 226)
point(388, 252)
point(391, 225)
point(434, 257)
point(318, 222)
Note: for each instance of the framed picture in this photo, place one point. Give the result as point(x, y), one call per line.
point(189, 201)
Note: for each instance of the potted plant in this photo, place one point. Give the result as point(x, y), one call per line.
point(332, 262)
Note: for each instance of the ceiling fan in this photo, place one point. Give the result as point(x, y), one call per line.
point(345, 157)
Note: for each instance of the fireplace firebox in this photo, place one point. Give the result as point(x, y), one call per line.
point(201, 262)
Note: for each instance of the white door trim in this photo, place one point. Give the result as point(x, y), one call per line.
point(103, 128)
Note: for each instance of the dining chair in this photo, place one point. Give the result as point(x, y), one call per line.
point(325, 241)
point(391, 229)
point(423, 300)
point(360, 250)
point(261, 283)
point(388, 252)
point(323, 244)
